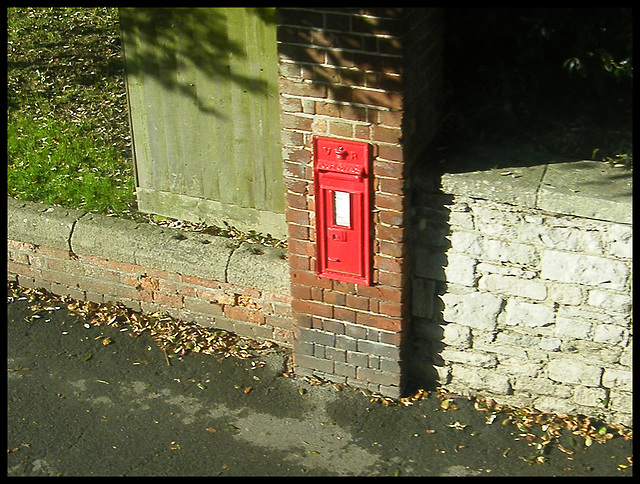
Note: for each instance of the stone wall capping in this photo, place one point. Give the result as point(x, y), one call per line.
point(591, 189)
point(162, 248)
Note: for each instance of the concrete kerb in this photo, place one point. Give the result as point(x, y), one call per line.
point(191, 253)
point(255, 265)
point(40, 224)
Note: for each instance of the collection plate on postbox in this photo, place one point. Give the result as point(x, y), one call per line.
point(342, 196)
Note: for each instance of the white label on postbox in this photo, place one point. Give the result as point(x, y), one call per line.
point(342, 208)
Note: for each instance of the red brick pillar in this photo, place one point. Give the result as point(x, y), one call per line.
point(342, 76)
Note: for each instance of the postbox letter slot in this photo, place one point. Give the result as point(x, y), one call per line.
point(342, 209)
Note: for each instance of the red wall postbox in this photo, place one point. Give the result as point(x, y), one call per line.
point(342, 174)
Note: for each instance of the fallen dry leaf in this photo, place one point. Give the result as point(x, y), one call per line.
point(565, 450)
point(445, 404)
point(458, 426)
point(18, 368)
point(175, 336)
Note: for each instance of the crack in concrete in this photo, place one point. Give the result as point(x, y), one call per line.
point(539, 187)
point(73, 228)
point(233, 247)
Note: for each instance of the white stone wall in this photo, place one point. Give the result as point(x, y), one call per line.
point(526, 307)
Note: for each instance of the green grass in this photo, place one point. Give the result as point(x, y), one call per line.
point(57, 162)
point(68, 139)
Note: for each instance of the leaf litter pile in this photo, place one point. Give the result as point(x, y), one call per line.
point(541, 430)
point(227, 231)
point(177, 338)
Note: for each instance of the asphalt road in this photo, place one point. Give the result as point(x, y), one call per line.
point(79, 407)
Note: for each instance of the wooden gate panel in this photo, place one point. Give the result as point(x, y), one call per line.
point(203, 93)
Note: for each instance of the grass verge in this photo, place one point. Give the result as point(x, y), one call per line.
point(68, 140)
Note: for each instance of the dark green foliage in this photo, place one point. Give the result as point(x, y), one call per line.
point(536, 70)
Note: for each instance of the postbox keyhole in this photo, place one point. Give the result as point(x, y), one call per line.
point(341, 153)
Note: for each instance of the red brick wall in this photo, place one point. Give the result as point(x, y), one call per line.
point(342, 75)
point(248, 312)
